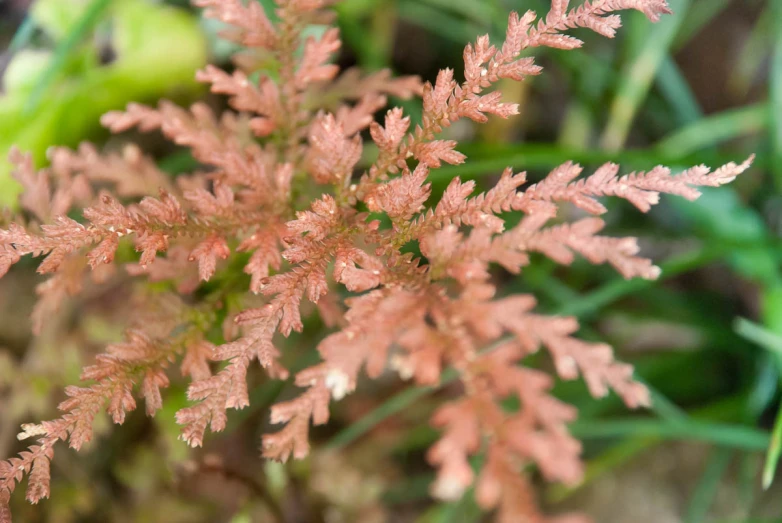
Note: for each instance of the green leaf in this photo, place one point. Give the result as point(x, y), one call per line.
point(140, 73)
point(25, 69)
point(761, 336)
point(720, 217)
point(698, 16)
point(775, 95)
point(772, 342)
point(706, 489)
point(677, 91)
point(733, 436)
point(716, 129)
point(58, 17)
point(394, 405)
point(638, 75)
point(23, 35)
point(443, 24)
point(592, 303)
point(774, 452)
point(478, 12)
point(76, 33)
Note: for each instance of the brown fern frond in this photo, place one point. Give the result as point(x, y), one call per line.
point(275, 213)
point(255, 28)
point(641, 189)
point(113, 376)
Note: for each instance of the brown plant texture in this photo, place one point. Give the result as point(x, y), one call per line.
point(281, 193)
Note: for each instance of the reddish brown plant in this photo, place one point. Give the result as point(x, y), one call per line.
point(280, 182)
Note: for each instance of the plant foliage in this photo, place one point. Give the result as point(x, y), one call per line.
point(281, 193)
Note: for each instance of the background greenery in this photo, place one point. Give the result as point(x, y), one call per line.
point(702, 86)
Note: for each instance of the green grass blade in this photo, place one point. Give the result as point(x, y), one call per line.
point(727, 435)
point(773, 344)
point(775, 95)
point(698, 16)
point(677, 92)
point(638, 75)
point(372, 39)
point(706, 489)
point(762, 337)
point(23, 35)
point(716, 129)
point(443, 24)
point(662, 406)
point(774, 451)
point(478, 12)
point(392, 406)
point(591, 303)
point(597, 467)
point(65, 47)
point(622, 452)
point(576, 127)
point(627, 449)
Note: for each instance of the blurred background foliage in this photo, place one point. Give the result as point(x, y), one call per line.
point(68, 62)
point(703, 86)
